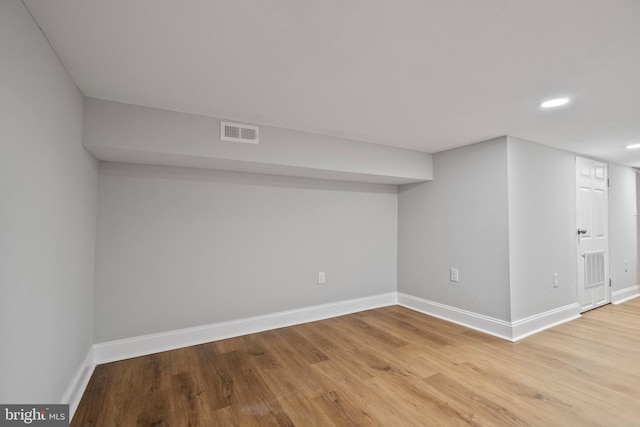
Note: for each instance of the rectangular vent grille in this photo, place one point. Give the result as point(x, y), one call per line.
point(593, 269)
point(238, 133)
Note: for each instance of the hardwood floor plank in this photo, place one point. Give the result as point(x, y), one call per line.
point(216, 379)
point(304, 412)
point(307, 351)
point(97, 401)
point(473, 405)
point(526, 401)
point(292, 373)
point(425, 407)
point(527, 398)
point(380, 405)
point(370, 330)
point(251, 397)
point(189, 402)
point(312, 332)
point(406, 330)
point(385, 367)
point(343, 412)
point(583, 397)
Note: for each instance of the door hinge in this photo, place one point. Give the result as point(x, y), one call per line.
point(609, 282)
point(608, 182)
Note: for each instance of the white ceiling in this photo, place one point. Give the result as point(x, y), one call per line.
point(426, 74)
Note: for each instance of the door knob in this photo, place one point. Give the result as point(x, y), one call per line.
point(581, 231)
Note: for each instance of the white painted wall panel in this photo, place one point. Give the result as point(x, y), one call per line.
point(133, 134)
point(623, 227)
point(458, 220)
point(48, 188)
point(542, 228)
point(181, 247)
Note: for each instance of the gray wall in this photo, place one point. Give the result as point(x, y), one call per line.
point(180, 247)
point(47, 217)
point(504, 213)
point(542, 224)
point(458, 220)
point(133, 134)
point(623, 227)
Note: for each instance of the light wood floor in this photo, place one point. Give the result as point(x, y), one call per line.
point(390, 367)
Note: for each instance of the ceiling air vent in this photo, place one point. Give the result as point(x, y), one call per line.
point(238, 133)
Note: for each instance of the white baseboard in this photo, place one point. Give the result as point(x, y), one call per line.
point(79, 383)
point(155, 343)
point(539, 322)
point(623, 295)
point(486, 324)
point(510, 331)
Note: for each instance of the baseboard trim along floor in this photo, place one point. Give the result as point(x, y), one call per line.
point(511, 331)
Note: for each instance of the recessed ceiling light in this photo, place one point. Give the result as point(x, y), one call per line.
point(554, 102)
point(633, 146)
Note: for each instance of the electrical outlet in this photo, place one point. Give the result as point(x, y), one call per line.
point(322, 278)
point(556, 280)
point(453, 274)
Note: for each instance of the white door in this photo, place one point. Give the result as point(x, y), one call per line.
point(592, 233)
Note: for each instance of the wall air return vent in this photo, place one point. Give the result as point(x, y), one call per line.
point(237, 132)
point(593, 269)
